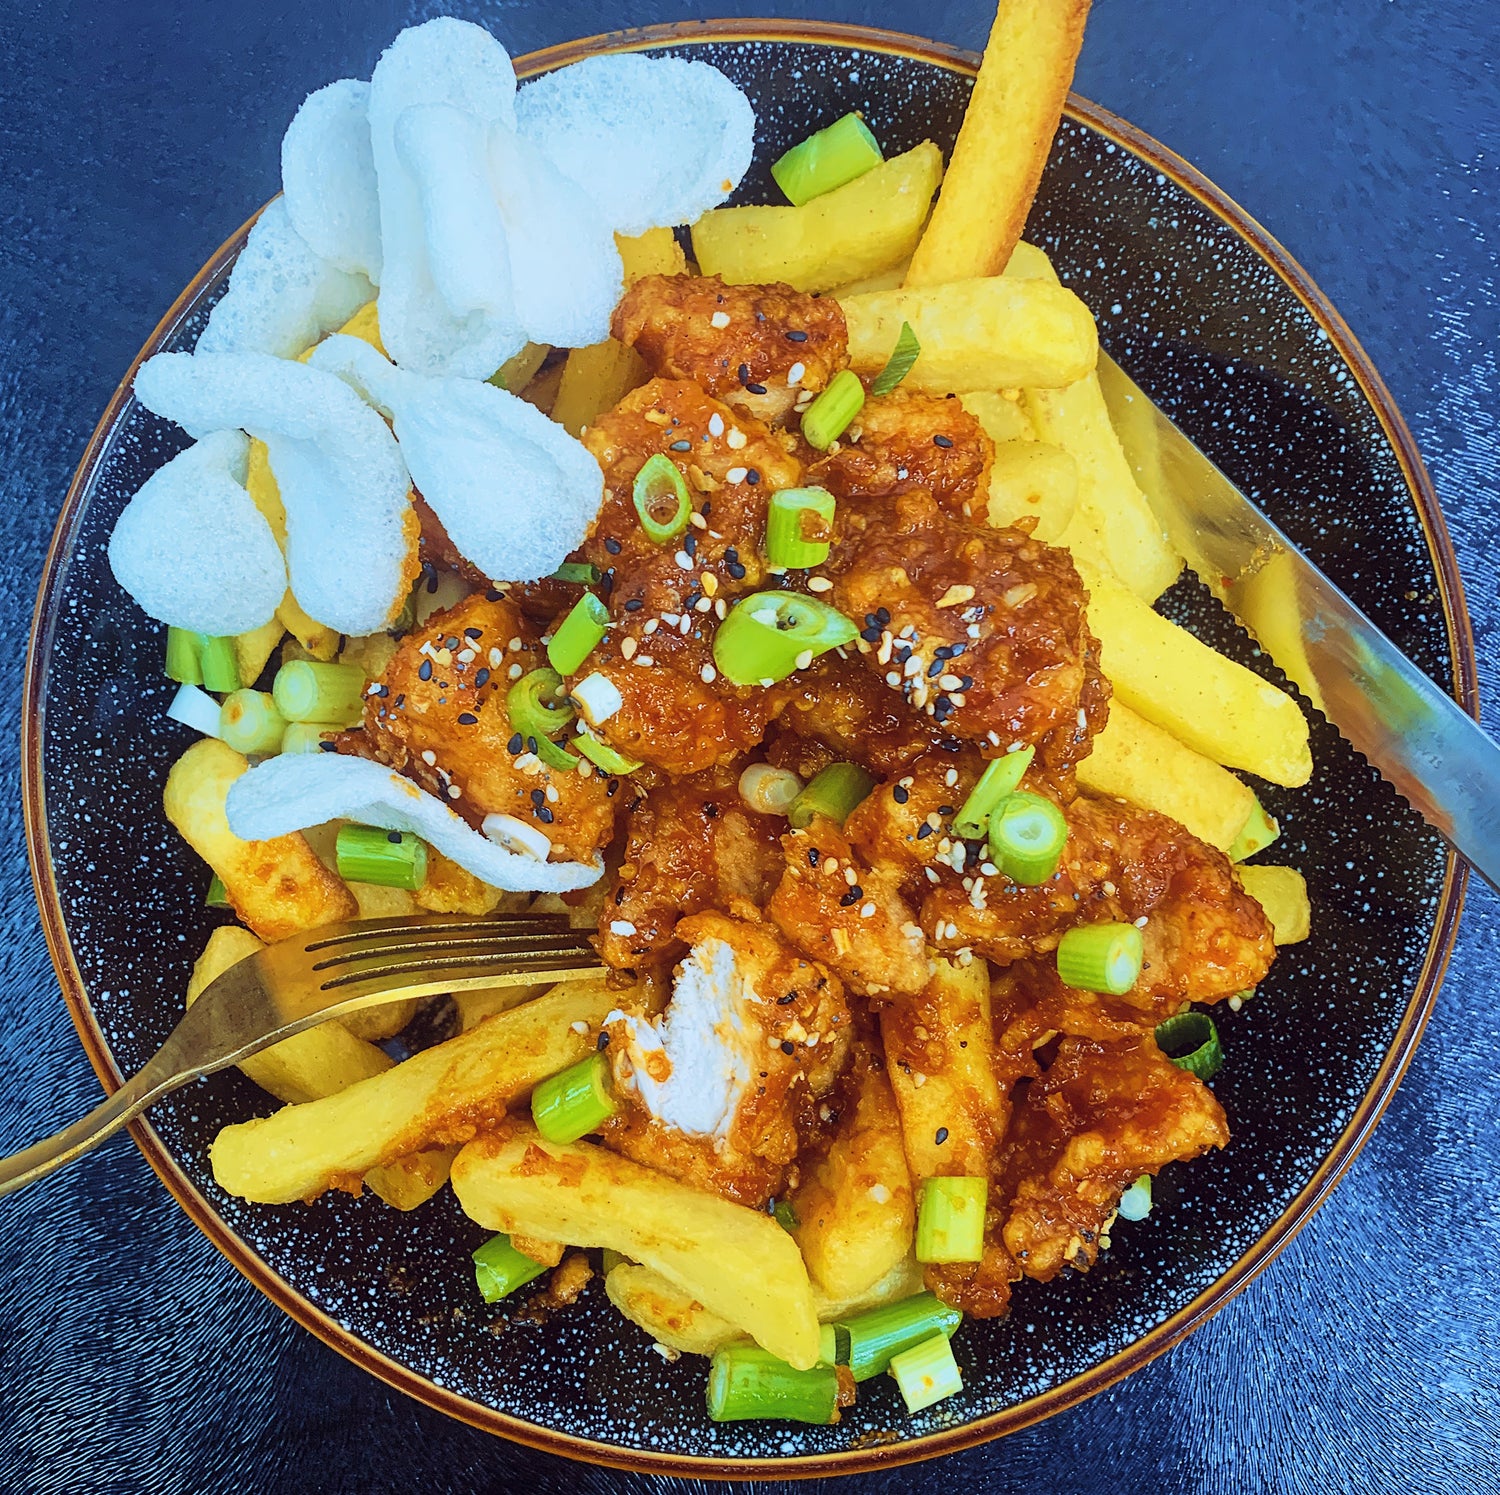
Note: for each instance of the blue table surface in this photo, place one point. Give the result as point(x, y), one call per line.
point(1366, 135)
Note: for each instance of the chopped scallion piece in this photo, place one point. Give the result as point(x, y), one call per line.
point(306, 690)
point(183, 662)
point(1191, 1042)
point(828, 417)
point(577, 571)
point(195, 709)
point(829, 159)
point(950, 1219)
point(217, 895)
point(500, 1269)
point(927, 1373)
point(833, 1345)
point(1257, 833)
point(770, 634)
point(999, 779)
point(879, 1333)
point(785, 1215)
point(539, 709)
point(661, 499)
point(898, 365)
point(390, 859)
point(597, 698)
point(833, 792)
point(250, 723)
point(307, 737)
point(1135, 1202)
point(1027, 835)
point(578, 634)
point(799, 528)
point(221, 665)
point(599, 752)
point(768, 790)
point(572, 1104)
point(745, 1381)
point(1101, 957)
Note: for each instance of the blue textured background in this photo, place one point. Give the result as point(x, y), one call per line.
point(1366, 135)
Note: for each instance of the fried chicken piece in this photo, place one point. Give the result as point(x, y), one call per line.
point(982, 629)
point(721, 1090)
point(863, 928)
point(440, 717)
point(909, 441)
point(1205, 937)
point(1032, 1007)
point(904, 822)
point(1100, 1116)
point(756, 347)
point(691, 845)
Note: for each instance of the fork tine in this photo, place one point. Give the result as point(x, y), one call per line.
point(378, 931)
point(465, 943)
point(461, 973)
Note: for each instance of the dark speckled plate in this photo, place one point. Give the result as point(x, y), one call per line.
point(1215, 321)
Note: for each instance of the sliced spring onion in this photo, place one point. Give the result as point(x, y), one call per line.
point(833, 1345)
point(950, 1219)
point(1101, 957)
point(1191, 1042)
point(879, 1333)
point(500, 1269)
point(195, 709)
point(539, 709)
point(250, 723)
point(306, 690)
point(999, 779)
point(515, 835)
point(745, 1381)
point(307, 737)
point(785, 1215)
point(221, 665)
point(927, 1373)
point(599, 752)
point(770, 634)
point(831, 157)
point(828, 417)
point(898, 365)
point(217, 895)
point(1135, 1202)
point(577, 571)
point(799, 528)
point(1257, 833)
point(1027, 835)
point(183, 662)
point(661, 499)
point(769, 790)
point(578, 634)
point(390, 859)
point(833, 792)
point(572, 1104)
point(597, 698)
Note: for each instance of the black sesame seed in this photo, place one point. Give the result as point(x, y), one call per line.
point(394, 837)
point(790, 997)
point(796, 337)
point(882, 616)
point(924, 831)
point(543, 814)
point(515, 744)
point(691, 545)
point(425, 673)
point(432, 582)
point(737, 571)
point(743, 373)
point(481, 679)
point(753, 476)
point(787, 1046)
point(870, 635)
point(399, 702)
point(539, 796)
point(691, 600)
point(943, 441)
point(946, 810)
point(612, 545)
point(682, 446)
point(467, 718)
point(450, 643)
point(935, 668)
point(950, 744)
point(755, 389)
point(966, 682)
point(941, 1135)
point(327, 747)
point(607, 581)
point(603, 1042)
point(619, 895)
point(812, 856)
point(900, 794)
point(731, 554)
point(849, 898)
point(492, 595)
point(634, 605)
point(531, 744)
point(610, 788)
point(473, 632)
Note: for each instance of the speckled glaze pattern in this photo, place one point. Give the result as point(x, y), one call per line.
point(1315, 1036)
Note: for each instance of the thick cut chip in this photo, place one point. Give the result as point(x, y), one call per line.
point(328, 177)
point(513, 490)
point(281, 295)
point(192, 548)
point(351, 532)
point(654, 141)
point(295, 791)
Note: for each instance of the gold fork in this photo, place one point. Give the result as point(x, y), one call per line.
point(324, 973)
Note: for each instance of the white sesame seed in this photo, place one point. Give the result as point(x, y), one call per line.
point(515, 646)
point(913, 666)
point(830, 865)
point(703, 605)
point(804, 659)
point(880, 1194)
point(736, 474)
point(685, 624)
point(719, 320)
point(628, 646)
point(931, 875)
point(429, 757)
point(708, 674)
point(850, 876)
point(454, 791)
point(684, 560)
point(795, 373)
point(867, 911)
point(1141, 922)
point(496, 658)
point(646, 659)
point(819, 584)
point(466, 656)
point(735, 439)
point(551, 794)
point(950, 682)
point(720, 611)
point(697, 520)
point(989, 869)
point(621, 926)
point(1083, 720)
point(893, 679)
point(652, 624)
point(515, 672)
point(716, 424)
point(950, 778)
point(579, 1027)
point(1235, 1003)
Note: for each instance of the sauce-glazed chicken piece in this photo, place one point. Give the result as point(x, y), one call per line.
point(1096, 1119)
point(1205, 937)
point(756, 347)
point(690, 845)
point(665, 601)
point(984, 630)
point(910, 441)
point(439, 716)
point(722, 1089)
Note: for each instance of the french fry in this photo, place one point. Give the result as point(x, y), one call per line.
point(438, 1097)
point(520, 368)
point(855, 1210)
point(321, 1061)
point(1215, 706)
point(670, 1316)
point(1282, 893)
point(903, 1279)
point(865, 227)
point(252, 650)
point(939, 1054)
point(451, 889)
point(883, 280)
point(737, 1262)
point(1135, 760)
point(1033, 480)
point(1002, 419)
point(1002, 145)
point(277, 887)
point(996, 333)
point(1030, 262)
point(598, 377)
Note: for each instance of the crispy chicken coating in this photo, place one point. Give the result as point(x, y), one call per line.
point(984, 630)
point(1097, 1118)
point(756, 347)
point(439, 716)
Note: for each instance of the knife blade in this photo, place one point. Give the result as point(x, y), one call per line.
point(1431, 751)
